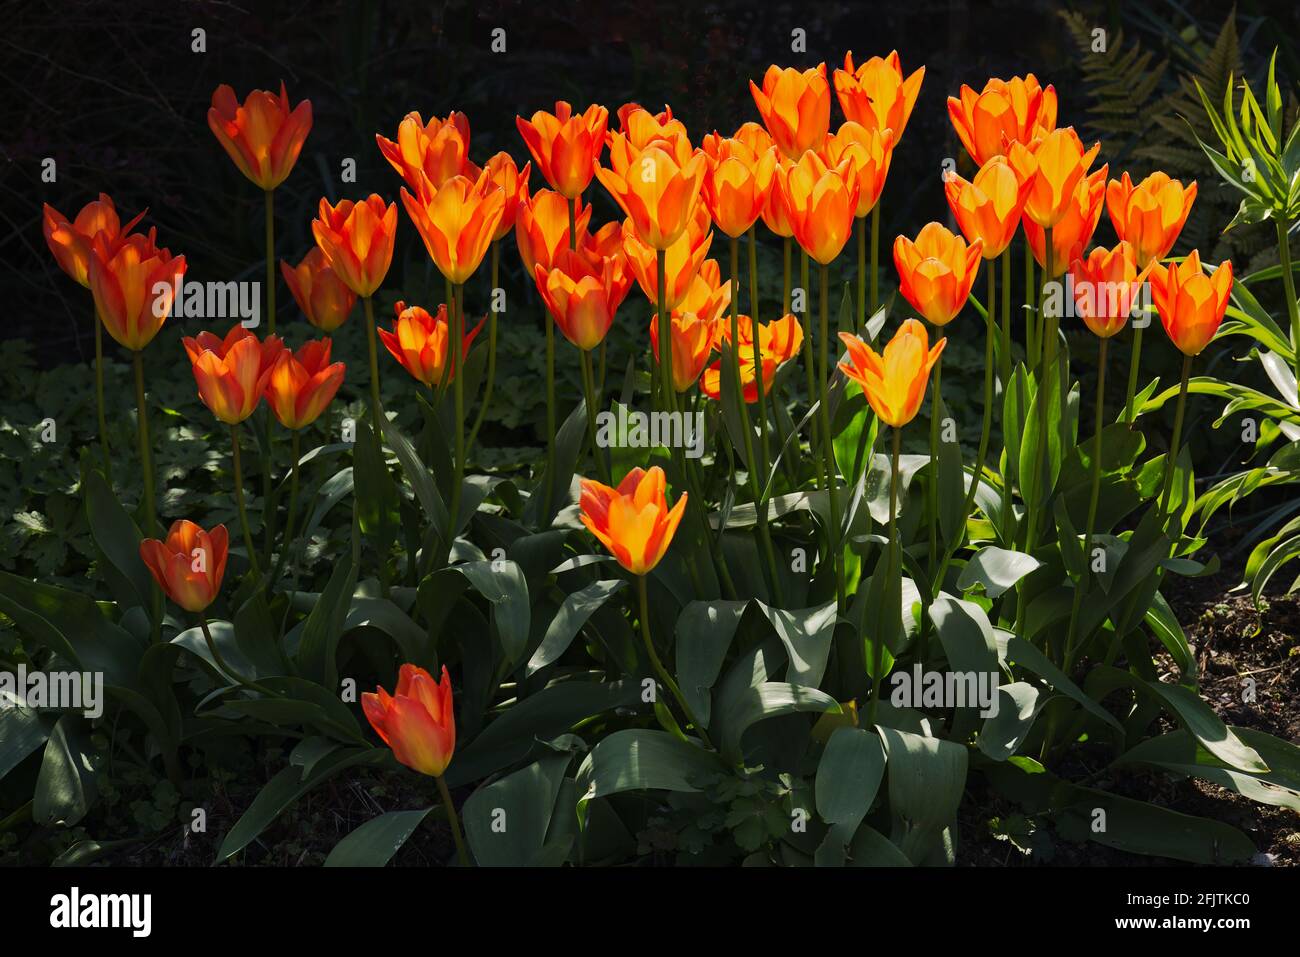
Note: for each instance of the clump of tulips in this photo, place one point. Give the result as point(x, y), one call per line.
point(793, 408)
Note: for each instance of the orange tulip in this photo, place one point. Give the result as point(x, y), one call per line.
point(989, 207)
point(513, 181)
point(319, 292)
point(1060, 162)
point(1150, 215)
point(1070, 236)
point(640, 129)
point(263, 136)
point(737, 182)
point(936, 272)
point(708, 296)
point(419, 342)
point(232, 373)
point(542, 228)
point(692, 343)
point(796, 108)
point(632, 521)
point(457, 221)
point(565, 146)
point(134, 283)
point(357, 240)
point(778, 342)
point(682, 260)
point(657, 193)
point(1005, 112)
point(875, 94)
point(822, 202)
point(417, 721)
point(582, 296)
point(893, 382)
point(303, 383)
point(1191, 304)
point(776, 214)
point(189, 565)
point(72, 243)
point(1106, 286)
point(438, 149)
point(871, 152)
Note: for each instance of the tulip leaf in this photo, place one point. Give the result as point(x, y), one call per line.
point(1003, 731)
point(848, 776)
point(374, 843)
point(704, 632)
point(69, 777)
point(996, 569)
point(324, 625)
point(927, 777)
point(568, 621)
point(22, 731)
point(118, 538)
point(740, 710)
point(507, 821)
point(502, 583)
point(639, 759)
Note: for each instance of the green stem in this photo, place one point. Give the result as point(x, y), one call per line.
point(239, 501)
point(814, 438)
point(1004, 366)
point(462, 854)
point(758, 352)
point(862, 274)
point(664, 318)
point(224, 667)
point(658, 665)
point(878, 679)
point(149, 520)
point(932, 498)
point(270, 262)
point(875, 259)
point(1288, 285)
point(99, 398)
point(376, 410)
point(1090, 525)
point(589, 391)
point(456, 350)
point(1031, 296)
point(1047, 351)
point(1135, 358)
point(1171, 462)
point(836, 533)
point(492, 349)
point(287, 543)
point(785, 275)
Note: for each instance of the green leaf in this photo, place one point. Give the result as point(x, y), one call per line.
point(374, 843)
point(568, 621)
point(740, 711)
point(997, 569)
point(848, 777)
point(1179, 753)
point(68, 781)
point(506, 822)
point(927, 777)
point(704, 632)
point(324, 625)
point(502, 583)
point(1018, 707)
point(117, 536)
point(638, 759)
point(22, 731)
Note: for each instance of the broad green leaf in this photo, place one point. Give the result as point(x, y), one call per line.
point(374, 843)
point(568, 621)
point(997, 569)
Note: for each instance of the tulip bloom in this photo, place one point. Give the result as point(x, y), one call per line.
point(417, 721)
point(565, 146)
point(438, 149)
point(778, 342)
point(708, 296)
point(1150, 215)
point(989, 207)
point(1191, 304)
point(72, 243)
point(357, 240)
point(1005, 112)
point(419, 340)
point(457, 221)
point(133, 283)
point(693, 339)
point(321, 295)
point(796, 108)
point(682, 259)
point(871, 152)
point(1070, 236)
point(1106, 286)
point(1060, 162)
point(303, 383)
point(232, 373)
point(263, 135)
point(582, 296)
point(893, 382)
point(657, 193)
point(936, 272)
point(633, 521)
point(639, 130)
point(737, 183)
point(189, 565)
point(822, 202)
point(542, 227)
point(513, 181)
point(875, 95)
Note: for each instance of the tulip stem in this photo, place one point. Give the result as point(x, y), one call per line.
point(149, 520)
point(814, 429)
point(878, 679)
point(1288, 286)
point(270, 262)
point(862, 274)
point(456, 349)
point(828, 448)
point(785, 275)
point(223, 667)
point(1042, 461)
point(453, 819)
point(1135, 356)
point(99, 397)
point(664, 318)
point(990, 332)
point(1090, 525)
point(1005, 363)
point(758, 353)
point(492, 348)
point(658, 665)
point(875, 260)
point(1031, 313)
point(239, 501)
point(932, 500)
point(376, 411)
point(589, 390)
point(287, 544)
point(1171, 462)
